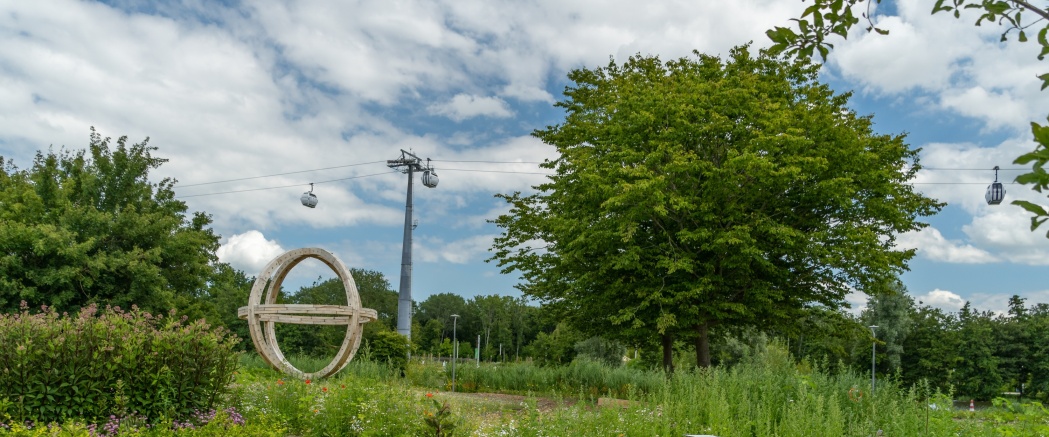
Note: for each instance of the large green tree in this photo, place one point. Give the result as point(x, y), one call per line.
point(932, 348)
point(702, 191)
point(891, 312)
point(89, 226)
point(978, 373)
point(825, 18)
point(440, 307)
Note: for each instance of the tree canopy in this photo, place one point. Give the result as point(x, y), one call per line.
point(702, 191)
point(89, 226)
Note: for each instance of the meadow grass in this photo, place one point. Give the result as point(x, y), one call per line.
point(765, 395)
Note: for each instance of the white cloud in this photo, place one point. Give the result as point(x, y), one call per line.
point(857, 301)
point(942, 299)
point(910, 56)
point(528, 93)
point(460, 251)
point(1008, 230)
point(996, 108)
point(249, 252)
point(931, 244)
point(965, 68)
point(464, 106)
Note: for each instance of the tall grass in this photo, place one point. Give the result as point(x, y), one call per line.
point(370, 370)
point(580, 378)
point(767, 394)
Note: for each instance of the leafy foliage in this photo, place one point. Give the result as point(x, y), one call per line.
point(557, 347)
point(608, 352)
point(890, 311)
point(391, 348)
point(88, 366)
point(89, 227)
point(700, 192)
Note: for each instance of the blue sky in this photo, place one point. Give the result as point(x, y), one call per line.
point(232, 90)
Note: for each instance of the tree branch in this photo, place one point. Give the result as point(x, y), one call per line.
point(1042, 12)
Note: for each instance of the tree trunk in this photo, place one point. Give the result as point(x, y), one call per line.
point(703, 345)
point(668, 352)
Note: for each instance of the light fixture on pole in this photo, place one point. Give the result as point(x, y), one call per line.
point(874, 342)
point(409, 163)
point(455, 349)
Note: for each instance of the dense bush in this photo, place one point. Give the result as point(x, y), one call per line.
point(600, 349)
point(391, 348)
point(55, 367)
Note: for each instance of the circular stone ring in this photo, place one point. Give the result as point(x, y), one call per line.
point(263, 315)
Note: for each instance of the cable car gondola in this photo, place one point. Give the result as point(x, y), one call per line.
point(308, 198)
point(430, 178)
point(995, 191)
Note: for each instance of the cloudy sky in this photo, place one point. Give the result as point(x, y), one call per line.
point(326, 91)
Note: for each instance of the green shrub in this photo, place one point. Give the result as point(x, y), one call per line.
point(609, 352)
point(55, 368)
point(390, 347)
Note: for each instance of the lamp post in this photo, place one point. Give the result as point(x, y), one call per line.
point(874, 342)
point(455, 348)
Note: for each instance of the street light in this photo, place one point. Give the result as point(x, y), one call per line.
point(455, 348)
point(874, 342)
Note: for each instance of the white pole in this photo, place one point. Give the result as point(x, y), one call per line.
point(455, 348)
point(874, 342)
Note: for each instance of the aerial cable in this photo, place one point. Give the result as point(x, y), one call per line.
point(279, 174)
point(491, 162)
point(283, 186)
point(972, 169)
point(496, 171)
point(343, 166)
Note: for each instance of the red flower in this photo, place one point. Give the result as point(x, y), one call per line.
point(308, 381)
point(280, 382)
point(324, 389)
point(429, 395)
point(342, 386)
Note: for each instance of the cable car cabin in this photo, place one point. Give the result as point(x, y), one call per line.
point(430, 179)
point(309, 199)
point(995, 193)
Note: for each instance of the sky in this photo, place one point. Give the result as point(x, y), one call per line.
point(252, 101)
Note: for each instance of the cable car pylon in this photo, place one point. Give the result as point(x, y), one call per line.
point(409, 163)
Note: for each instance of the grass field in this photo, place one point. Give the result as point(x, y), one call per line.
point(769, 395)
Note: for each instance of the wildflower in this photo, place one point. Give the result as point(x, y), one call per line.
point(429, 395)
point(324, 389)
point(234, 416)
point(308, 382)
point(342, 386)
point(280, 382)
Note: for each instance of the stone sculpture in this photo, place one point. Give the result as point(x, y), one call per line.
point(263, 313)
